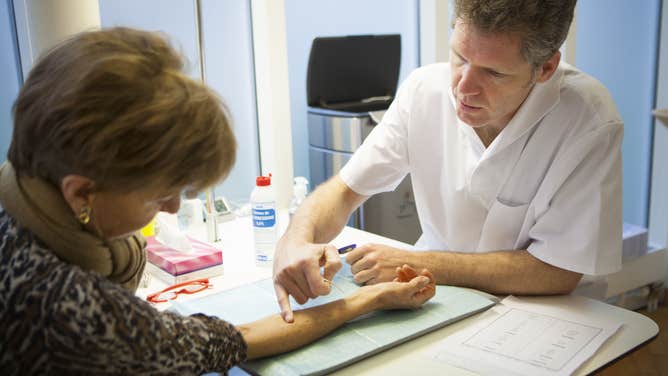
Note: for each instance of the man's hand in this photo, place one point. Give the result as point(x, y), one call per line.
point(374, 263)
point(297, 273)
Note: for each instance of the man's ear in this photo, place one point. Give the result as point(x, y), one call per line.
point(548, 68)
point(77, 191)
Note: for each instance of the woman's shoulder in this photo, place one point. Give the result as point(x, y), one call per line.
point(33, 272)
point(30, 276)
point(28, 270)
point(42, 292)
point(21, 252)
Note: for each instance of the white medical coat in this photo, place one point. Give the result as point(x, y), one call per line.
point(550, 182)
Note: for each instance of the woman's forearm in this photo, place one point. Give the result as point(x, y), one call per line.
point(272, 335)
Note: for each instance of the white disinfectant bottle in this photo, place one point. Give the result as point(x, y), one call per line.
point(265, 229)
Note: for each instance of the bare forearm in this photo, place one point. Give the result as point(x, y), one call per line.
point(324, 213)
point(272, 335)
point(501, 272)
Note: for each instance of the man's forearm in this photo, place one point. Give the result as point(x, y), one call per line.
point(501, 272)
point(324, 213)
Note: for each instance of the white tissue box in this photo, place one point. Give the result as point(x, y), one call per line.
point(170, 279)
point(172, 266)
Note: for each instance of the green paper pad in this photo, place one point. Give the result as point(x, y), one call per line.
point(351, 342)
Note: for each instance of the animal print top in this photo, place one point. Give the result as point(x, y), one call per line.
point(56, 318)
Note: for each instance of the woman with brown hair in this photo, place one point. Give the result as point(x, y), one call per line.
point(108, 131)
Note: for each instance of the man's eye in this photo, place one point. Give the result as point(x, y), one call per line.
point(496, 74)
point(457, 59)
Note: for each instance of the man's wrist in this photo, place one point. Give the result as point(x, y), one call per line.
point(434, 261)
point(292, 239)
point(415, 259)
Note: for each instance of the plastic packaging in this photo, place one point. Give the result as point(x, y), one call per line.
point(265, 229)
point(299, 194)
point(191, 218)
point(168, 233)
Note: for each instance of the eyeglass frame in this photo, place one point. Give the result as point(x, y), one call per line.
point(203, 282)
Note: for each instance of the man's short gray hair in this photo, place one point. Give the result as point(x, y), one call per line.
point(542, 24)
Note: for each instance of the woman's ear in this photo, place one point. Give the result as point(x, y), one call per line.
point(77, 191)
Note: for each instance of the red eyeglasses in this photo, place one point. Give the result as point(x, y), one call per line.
point(173, 291)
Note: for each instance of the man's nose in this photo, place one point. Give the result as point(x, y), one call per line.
point(469, 83)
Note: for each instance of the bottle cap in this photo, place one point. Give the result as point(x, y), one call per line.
point(263, 181)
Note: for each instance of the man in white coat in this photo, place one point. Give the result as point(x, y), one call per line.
point(515, 160)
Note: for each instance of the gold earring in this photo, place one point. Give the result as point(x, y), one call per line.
point(84, 215)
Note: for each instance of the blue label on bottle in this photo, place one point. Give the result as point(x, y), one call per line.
point(264, 217)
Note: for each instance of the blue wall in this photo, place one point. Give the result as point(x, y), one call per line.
point(176, 20)
point(9, 76)
point(617, 43)
point(306, 20)
point(228, 55)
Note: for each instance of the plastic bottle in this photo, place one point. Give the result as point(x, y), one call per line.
point(265, 229)
point(299, 191)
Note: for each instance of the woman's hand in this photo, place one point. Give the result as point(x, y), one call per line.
point(409, 290)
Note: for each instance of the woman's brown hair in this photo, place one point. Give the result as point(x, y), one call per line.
point(115, 106)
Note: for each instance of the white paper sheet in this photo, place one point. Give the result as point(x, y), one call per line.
point(521, 338)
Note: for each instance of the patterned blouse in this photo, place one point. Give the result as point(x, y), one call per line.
point(56, 318)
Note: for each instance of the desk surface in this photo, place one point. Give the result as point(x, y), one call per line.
point(415, 356)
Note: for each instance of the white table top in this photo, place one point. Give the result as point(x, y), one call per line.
point(415, 356)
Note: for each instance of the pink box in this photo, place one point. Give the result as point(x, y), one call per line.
point(174, 262)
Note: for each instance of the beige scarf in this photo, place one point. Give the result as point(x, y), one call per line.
point(40, 207)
